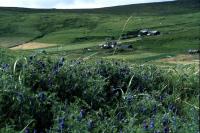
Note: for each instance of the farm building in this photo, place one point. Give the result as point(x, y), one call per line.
point(194, 51)
point(153, 33)
point(146, 32)
point(143, 32)
point(109, 44)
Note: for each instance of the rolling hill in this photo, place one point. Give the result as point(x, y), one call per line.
point(73, 30)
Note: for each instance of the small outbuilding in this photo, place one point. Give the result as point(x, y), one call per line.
point(109, 44)
point(153, 33)
point(194, 51)
point(146, 32)
point(143, 32)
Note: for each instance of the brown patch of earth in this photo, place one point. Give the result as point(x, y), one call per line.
point(181, 59)
point(32, 45)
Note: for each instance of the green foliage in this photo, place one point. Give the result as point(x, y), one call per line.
point(48, 94)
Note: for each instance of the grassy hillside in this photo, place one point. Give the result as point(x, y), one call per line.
point(73, 30)
point(62, 25)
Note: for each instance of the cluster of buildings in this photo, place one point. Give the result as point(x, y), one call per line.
point(111, 43)
point(147, 32)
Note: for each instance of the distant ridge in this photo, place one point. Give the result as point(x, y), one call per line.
point(171, 7)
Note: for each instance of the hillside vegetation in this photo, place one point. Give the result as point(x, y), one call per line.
point(177, 21)
point(55, 78)
point(45, 94)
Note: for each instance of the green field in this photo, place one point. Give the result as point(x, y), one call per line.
point(73, 30)
point(55, 78)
